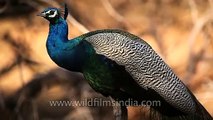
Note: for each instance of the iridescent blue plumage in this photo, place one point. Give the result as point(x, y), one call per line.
point(123, 66)
point(61, 49)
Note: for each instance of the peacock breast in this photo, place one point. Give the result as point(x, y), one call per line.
point(100, 75)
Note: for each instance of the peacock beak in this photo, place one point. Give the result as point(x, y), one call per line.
point(41, 14)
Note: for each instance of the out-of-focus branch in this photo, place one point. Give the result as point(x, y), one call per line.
point(41, 83)
point(22, 55)
point(81, 27)
point(22, 51)
point(5, 6)
point(8, 68)
point(199, 23)
point(194, 59)
point(32, 3)
point(10, 5)
point(2, 102)
point(119, 111)
point(194, 11)
point(16, 62)
point(112, 11)
point(158, 39)
point(35, 110)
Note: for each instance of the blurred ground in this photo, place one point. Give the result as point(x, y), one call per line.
point(180, 31)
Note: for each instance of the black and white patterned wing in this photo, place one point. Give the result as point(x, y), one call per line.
point(144, 65)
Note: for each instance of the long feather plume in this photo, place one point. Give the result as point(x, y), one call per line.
point(64, 11)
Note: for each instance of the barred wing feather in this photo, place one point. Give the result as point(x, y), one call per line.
point(144, 65)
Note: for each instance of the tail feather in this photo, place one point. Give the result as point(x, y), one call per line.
point(166, 112)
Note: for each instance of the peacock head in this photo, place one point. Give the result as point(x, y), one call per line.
point(54, 14)
point(51, 14)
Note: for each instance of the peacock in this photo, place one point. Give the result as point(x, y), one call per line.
point(122, 66)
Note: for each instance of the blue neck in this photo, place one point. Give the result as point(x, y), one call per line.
point(62, 51)
point(57, 38)
point(58, 33)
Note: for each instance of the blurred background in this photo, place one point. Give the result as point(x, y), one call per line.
point(180, 31)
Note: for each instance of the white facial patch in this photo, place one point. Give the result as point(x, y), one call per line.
point(47, 12)
point(53, 15)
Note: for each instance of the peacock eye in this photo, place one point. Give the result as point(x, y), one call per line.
point(52, 12)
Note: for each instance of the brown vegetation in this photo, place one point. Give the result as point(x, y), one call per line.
point(180, 31)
